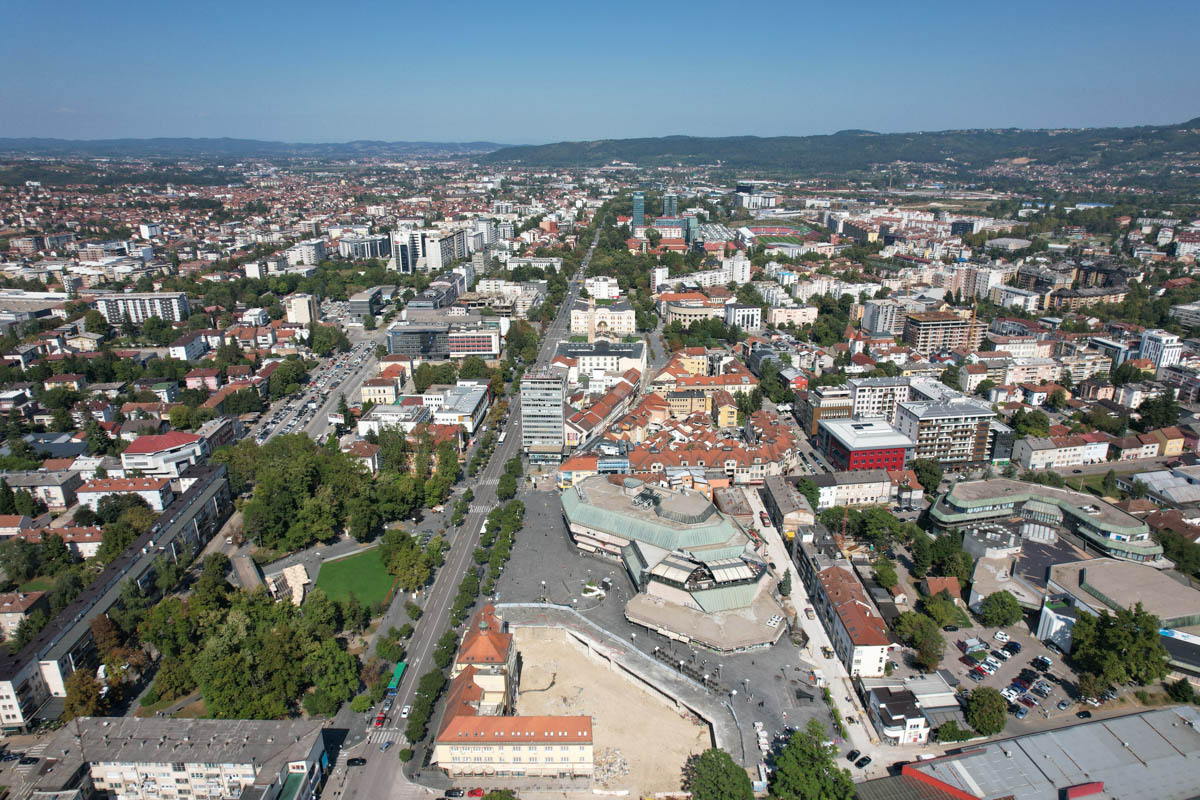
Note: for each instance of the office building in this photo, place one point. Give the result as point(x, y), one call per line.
point(823, 402)
point(670, 205)
point(933, 331)
point(692, 565)
point(543, 405)
point(1101, 525)
point(301, 309)
point(137, 307)
point(614, 320)
point(639, 210)
point(853, 444)
point(747, 318)
point(154, 758)
point(1163, 348)
point(365, 303)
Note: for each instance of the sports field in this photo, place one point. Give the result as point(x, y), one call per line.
point(362, 574)
point(772, 239)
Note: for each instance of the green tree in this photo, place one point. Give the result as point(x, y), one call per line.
point(1109, 484)
point(999, 610)
point(986, 711)
point(922, 555)
point(929, 473)
point(506, 488)
point(785, 585)
point(1120, 647)
point(807, 769)
point(885, 573)
point(83, 696)
point(950, 377)
point(94, 322)
point(714, 775)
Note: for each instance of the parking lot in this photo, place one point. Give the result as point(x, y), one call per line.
point(1044, 713)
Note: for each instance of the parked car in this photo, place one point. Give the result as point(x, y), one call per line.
point(1029, 700)
point(976, 675)
point(1063, 705)
point(1002, 655)
point(950, 628)
point(1042, 663)
point(1022, 712)
point(475, 793)
point(1010, 694)
point(1085, 714)
point(862, 762)
point(1000, 636)
point(853, 755)
point(1022, 683)
point(1012, 647)
point(454, 793)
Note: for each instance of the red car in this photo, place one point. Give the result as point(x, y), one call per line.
point(379, 721)
point(475, 793)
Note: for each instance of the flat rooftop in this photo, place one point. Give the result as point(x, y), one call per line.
point(865, 434)
point(267, 744)
point(982, 493)
point(1126, 583)
point(1155, 754)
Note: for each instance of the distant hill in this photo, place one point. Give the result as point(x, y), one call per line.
point(855, 150)
point(237, 148)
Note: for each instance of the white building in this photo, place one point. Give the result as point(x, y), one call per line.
point(301, 309)
point(748, 318)
point(155, 491)
point(165, 455)
point(1163, 348)
point(310, 252)
point(602, 287)
point(137, 307)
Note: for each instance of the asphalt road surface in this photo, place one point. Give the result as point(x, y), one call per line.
point(382, 776)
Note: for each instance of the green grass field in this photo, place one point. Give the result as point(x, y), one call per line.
point(362, 574)
point(39, 584)
point(770, 240)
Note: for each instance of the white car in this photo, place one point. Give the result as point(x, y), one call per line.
point(1009, 694)
point(404, 712)
point(1000, 636)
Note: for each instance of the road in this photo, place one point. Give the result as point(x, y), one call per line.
point(383, 776)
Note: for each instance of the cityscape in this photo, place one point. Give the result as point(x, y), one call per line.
point(489, 454)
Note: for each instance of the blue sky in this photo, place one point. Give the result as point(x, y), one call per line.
point(540, 72)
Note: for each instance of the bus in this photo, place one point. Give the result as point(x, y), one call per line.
point(502, 435)
point(394, 685)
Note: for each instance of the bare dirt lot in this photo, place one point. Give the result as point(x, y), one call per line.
point(641, 743)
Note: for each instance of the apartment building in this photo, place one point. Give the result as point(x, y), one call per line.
point(153, 758)
point(155, 491)
point(301, 309)
point(137, 307)
point(956, 431)
point(868, 487)
point(933, 331)
point(164, 455)
point(856, 629)
point(1057, 452)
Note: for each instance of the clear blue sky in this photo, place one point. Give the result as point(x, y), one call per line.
point(548, 71)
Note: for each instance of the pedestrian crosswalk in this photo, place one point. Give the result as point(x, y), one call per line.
point(488, 481)
point(379, 735)
point(480, 508)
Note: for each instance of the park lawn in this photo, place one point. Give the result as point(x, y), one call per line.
point(363, 575)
